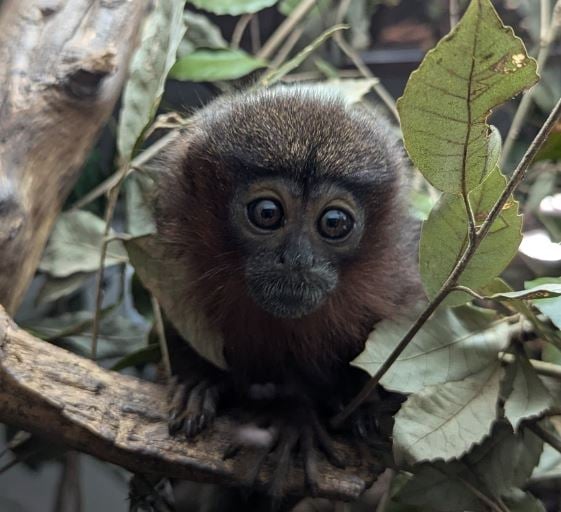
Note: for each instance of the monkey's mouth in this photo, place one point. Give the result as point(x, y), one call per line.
point(289, 295)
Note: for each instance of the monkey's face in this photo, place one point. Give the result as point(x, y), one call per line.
point(294, 239)
point(287, 197)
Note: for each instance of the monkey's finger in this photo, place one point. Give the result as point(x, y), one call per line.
point(193, 411)
point(209, 407)
point(325, 443)
point(309, 452)
point(284, 450)
point(177, 407)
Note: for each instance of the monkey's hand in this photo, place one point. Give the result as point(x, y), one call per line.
point(289, 433)
point(193, 403)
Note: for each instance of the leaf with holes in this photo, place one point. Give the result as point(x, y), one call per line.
point(550, 307)
point(444, 237)
point(445, 106)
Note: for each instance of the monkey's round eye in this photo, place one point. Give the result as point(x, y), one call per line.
point(335, 224)
point(265, 213)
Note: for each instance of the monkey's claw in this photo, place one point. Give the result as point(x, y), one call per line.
point(192, 406)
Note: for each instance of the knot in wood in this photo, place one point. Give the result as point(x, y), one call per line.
point(85, 78)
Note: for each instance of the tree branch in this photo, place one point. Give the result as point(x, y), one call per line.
point(62, 66)
point(53, 393)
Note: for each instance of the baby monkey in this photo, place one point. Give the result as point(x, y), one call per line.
point(289, 209)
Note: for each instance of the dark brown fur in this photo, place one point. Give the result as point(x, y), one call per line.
point(304, 136)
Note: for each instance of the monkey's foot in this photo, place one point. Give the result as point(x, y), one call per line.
point(193, 405)
point(290, 435)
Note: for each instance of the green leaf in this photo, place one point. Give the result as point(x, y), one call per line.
point(213, 65)
point(275, 75)
point(165, 282)
point(148, 354)
point(495, 467)
point(287, 6)
point(543, 291)
point(436, 488)
point(139, 189)
point(497, 285)
point(444, 238)
point(549, 307)
point(201, 33)
point(55, 288)
point(447, 348)
point(75, 244)
point(232, 7)
point(520, 501)
point(446, 420)
point(352, 90)
point(117, 335)
point(549, 467)
point(529, 397)
point(447, 100)
point(162, 33)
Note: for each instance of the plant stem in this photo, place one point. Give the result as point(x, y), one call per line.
point(159, 323)
point(239, 30)
point(109, 212)
point(285, 28)
point(460, 266)
point(454, 13)
point(551, 439)
point(542, 368)
point(349, 51)
point(148, 154)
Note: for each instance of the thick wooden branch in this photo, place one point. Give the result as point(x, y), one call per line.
point(62, 66)
point(53, 393)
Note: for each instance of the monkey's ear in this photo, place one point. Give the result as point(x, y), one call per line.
point(166, 282)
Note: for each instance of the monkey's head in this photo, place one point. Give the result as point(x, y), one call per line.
point(276, 198)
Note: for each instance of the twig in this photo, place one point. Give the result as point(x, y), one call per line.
point(285, 28)
point(379, 89)
point(239, 30)
point(454, 11)
point(467, 290)
point(542, 367)
point(551, 439)
point(109, 212)
point(148, 154)
point(287, 47)
point(452, 281)
point(159, 323)
point(549, 29)
point(255, 34)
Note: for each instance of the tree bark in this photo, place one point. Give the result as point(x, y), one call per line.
point(53, 393)
point(62, 67)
